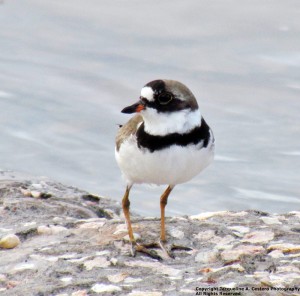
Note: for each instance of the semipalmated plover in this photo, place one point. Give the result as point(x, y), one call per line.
point(167, 142)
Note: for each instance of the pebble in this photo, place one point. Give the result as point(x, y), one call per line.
point(271, 220)
point(239, 230)
point(97, 262)
point(121, 228)
point(276, 254)
point(223, 243)
point(156, 266)
point(207, 215)
point(51, 229)
point(36, 194)
point(235, 254)
point(102, 288)
point(2, 278)
point(102, 253)
point(25, 192)
point(187, 291)
point(287, 268)
point(130, 280)
point(145, 293)
point(222, 270)
point(285, 248)
point(176, 233)
point(9, 241)
point(80, 293)
point(92, 225)
point(66, 279)
point(46, 258)
point(114, 261)
point(136, 237)
point(23, 266)
point(207, 257)
point(116, 278)
point(258, 237)
point(205, 235)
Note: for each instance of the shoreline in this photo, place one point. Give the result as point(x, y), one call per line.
point(74, 243)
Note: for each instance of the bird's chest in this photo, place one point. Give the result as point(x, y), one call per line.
point(171, 165)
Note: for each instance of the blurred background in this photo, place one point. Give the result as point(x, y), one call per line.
point(68, 67)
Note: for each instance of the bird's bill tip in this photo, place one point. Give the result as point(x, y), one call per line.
point(137, 107)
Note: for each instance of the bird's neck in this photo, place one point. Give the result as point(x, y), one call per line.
point(161, 124)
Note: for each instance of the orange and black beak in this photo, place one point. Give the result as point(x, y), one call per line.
point(137, 107)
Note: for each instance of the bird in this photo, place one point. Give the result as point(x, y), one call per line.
point(167, 142)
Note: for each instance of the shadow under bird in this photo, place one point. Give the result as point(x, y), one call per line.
point(167, 142)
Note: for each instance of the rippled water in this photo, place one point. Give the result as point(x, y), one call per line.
point(69, 67)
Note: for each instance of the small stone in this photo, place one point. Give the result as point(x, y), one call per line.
point(116, 278)
point(223, 243)
point(66, 279)
point(80, 293)
point(156, 266)
point(2, 278)
point(92, 225)
point(12, 284)
point(136, 237)
point(29, 224)
point(102, 288)
point(145, 293)
point(229, 285)
point(239, 230)
point(78, 260)
point(205, 235)
point(47, 258)
point(121, 228)
point(9, 241)
point(132, 280)
point(222, 270)
point(97, 262)
point(36, 194)
point(102, 253)
point(258, 237)
point(235, 254)
point(287, 268)
point(270, 220)
point(23, 266)
point(276, 254)
point(207, 257)
point(207, 215)
point(187, 291)
point(285, 248)
point(50, 230)
point(37, 185)
point(177, 233)
point(57, 219)
point(25, 192)
point(114, 261)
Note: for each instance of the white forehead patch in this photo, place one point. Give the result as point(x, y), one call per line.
point(147, 92)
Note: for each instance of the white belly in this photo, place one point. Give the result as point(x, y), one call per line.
point(169, 166)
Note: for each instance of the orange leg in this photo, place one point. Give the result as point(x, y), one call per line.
point(163, 203)
point(125, 206)
point(135, 247)
point(145, 248)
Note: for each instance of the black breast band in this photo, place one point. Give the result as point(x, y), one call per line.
point(154, 143)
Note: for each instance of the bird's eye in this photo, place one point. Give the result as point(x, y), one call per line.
point(165, 98)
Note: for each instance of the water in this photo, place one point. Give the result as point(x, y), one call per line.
point(69, 67)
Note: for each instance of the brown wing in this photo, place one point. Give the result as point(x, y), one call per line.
point(128, 129)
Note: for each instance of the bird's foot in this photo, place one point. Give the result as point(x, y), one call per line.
point(136, 247)
point(147, 249)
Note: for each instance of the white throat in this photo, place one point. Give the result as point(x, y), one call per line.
point(160, 124)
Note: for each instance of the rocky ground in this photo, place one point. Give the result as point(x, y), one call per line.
point(59, 240)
